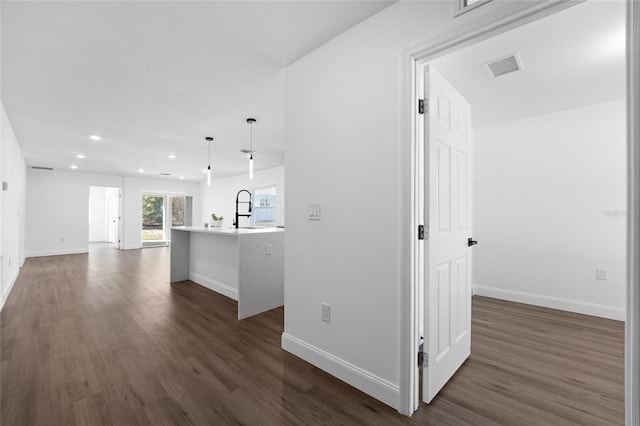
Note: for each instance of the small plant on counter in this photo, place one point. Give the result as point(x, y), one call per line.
point(216, 221)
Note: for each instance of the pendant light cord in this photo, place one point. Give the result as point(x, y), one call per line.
point(251, 121)
point(209, 139)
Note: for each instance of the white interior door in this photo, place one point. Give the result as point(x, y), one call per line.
point(447, 294)
point(113, 216)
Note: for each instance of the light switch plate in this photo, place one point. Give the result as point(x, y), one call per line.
point(269, 249)
point(326, 312)
point(313, 211)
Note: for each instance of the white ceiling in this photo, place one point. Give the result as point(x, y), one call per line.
point(570, 59)
point(155, 78)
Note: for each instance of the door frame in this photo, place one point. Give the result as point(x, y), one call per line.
point(504, 18)
point(120, 226)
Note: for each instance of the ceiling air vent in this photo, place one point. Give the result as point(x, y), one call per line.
point(41, 168)
point(505, 65)
point(165, 174)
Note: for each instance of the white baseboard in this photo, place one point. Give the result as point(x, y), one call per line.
point(577, 306)
point(368, 383)
point(6, 293)
point(133, 247)
point(154, 244)
point(216, 286)
point(57, 252)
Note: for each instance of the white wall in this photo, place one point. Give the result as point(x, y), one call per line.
point(546, 193)
point(134, 188)
point(220, 197)
point(12, 201)
point(58, 208)
point(57, 215)
point(97, 214)
point(343, 130)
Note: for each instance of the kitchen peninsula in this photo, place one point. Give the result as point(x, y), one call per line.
point(246, 265)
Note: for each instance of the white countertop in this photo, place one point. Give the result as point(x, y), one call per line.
point(226, 230)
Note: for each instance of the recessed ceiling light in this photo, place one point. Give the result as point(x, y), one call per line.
point(140, 171)
point(95, 137)
point(73, 166)
point(172, 156)
point(181, 177)
point(80, 155)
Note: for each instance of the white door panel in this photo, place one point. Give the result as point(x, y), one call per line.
point(447, 256)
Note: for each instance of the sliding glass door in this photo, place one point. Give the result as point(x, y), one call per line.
point(153, 220)
point(160, 213)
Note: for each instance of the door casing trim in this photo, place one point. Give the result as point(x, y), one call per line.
point(508, 16)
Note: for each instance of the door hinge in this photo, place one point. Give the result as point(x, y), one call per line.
point(423, 106)
point(423, 359)
point(423, 232)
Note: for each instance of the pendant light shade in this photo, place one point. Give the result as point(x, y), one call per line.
point(209, 139)
point(251, 121)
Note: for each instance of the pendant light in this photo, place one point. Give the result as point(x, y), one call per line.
point(209, 139)
point(251, 121)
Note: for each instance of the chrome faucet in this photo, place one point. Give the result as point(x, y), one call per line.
point(238, 215)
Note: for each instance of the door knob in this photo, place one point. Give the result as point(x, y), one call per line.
point(471, 242)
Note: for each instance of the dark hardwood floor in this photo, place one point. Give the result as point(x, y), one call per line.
point(104, 339)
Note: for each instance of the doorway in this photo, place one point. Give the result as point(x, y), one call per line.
point(161, 212)
point(428, 54)
point(105, 215)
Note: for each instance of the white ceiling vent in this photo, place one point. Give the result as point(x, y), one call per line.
point(505, 65)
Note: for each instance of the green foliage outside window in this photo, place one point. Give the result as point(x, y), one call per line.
point(152, 213)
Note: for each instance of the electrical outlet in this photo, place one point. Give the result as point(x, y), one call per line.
point(269, 249)
point(601, 274)
point(326, 312)
point(62, 239)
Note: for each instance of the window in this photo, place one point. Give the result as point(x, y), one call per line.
point(177, 211)
point(463, 6)
point(181, 210)
point(160, 213)
point(153, 218)
point(264, 206)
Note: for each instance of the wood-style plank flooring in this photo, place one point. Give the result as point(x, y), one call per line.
point(104, 339)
